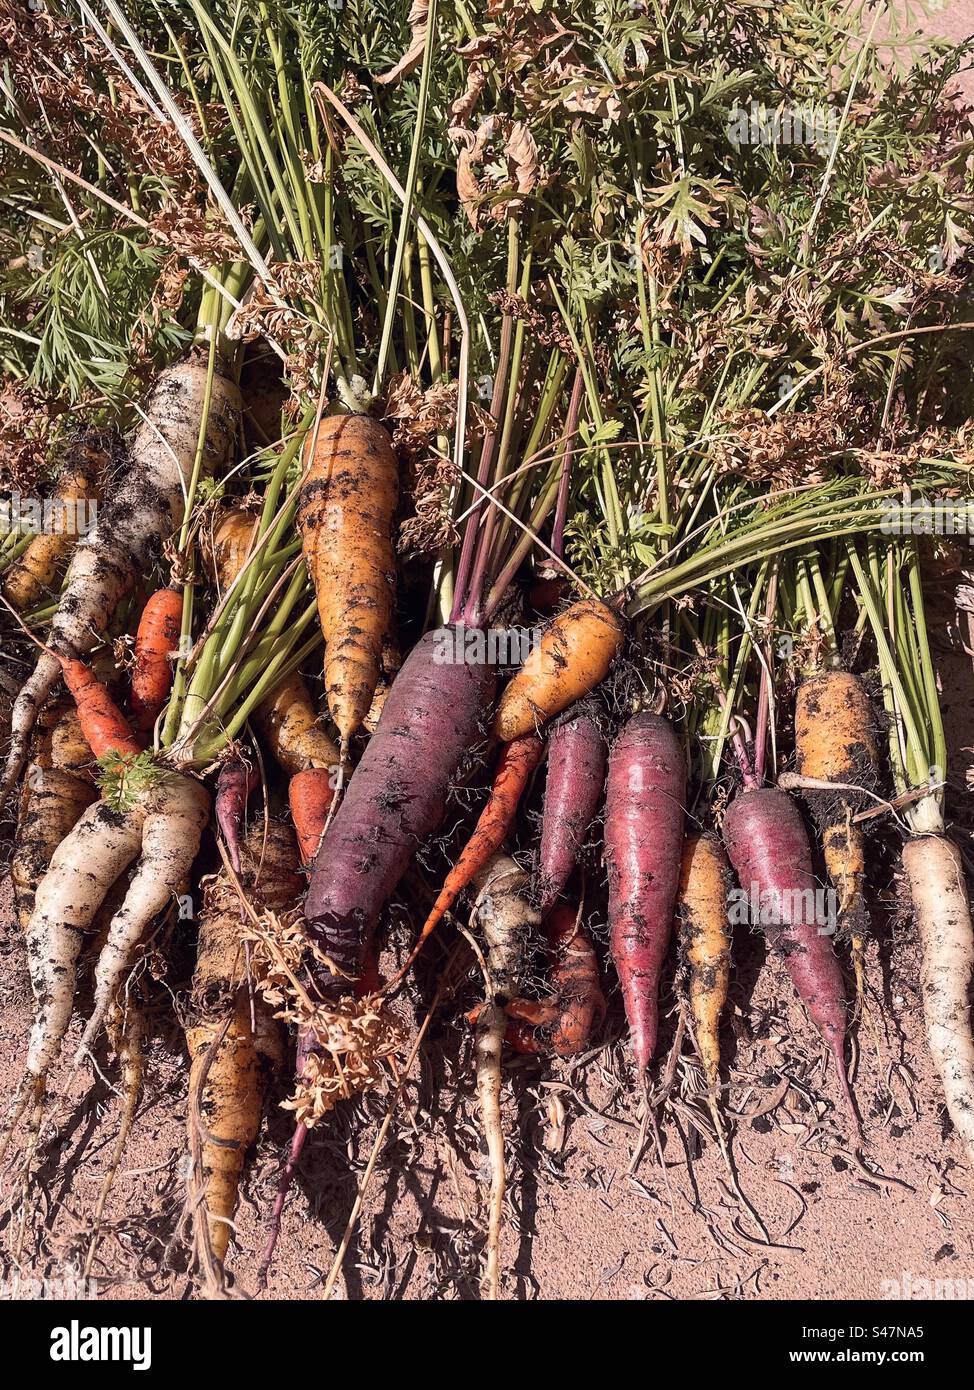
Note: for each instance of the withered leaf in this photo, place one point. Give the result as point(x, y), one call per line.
point(411, 59)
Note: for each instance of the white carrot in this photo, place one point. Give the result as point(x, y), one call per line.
point(506, 918)
point(84, 866)
point(165, 822)
point(935, 872)
point(177, 809)
point(142, 512)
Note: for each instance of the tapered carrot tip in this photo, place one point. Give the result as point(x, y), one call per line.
point(838, 1051)
point(574, 654)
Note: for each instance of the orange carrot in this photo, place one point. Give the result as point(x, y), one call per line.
point(102, 722)
point(576, 1006)
point(310, 794)
point(574, 654)
point(518, 760)
point(345, 516)
point(155, 642)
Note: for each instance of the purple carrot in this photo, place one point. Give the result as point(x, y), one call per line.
point(233, 786)
point(575, 782)
point(396, 797)
point(644, 810)
point(395, 800)
point(768, 846)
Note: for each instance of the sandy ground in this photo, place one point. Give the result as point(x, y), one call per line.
point(578, 1224)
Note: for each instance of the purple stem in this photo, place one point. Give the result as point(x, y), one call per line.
point(571, 424)
point(764, 694)
point(473, 523)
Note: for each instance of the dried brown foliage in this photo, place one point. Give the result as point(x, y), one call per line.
point(353, 1042)
point(411, 59)
point(546, 329)
point(418, 419)
point(26, 422)
point(268, 313)
point(536, 59)
point(57, 65)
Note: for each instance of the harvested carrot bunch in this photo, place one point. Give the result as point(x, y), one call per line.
point(506, 475)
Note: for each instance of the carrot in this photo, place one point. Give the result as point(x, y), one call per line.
point(51, 805)
point(371, 721)
point(310, 794)
point(233, 1039)
point(145, 508)
point(576, 1006)
point(264, 394)
point(574, 654)
point(644, 811)
point(394, 801)
point(835, 742)
point(103, 724)
point(768, 846)
point(547, 591)
point(506, 918)
point(175, 812)
point(345, 515)
point(69, 747)
point(234, 784)
point(576, 780)
point(233, 540)
point(164, 820)
point(31, 577)
point(518, 760)
point(935, 872)
point(156, 643)
point(702, 910)
point(290, 725)
point(8, 689)
point(67, 900)
point(52, 802)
